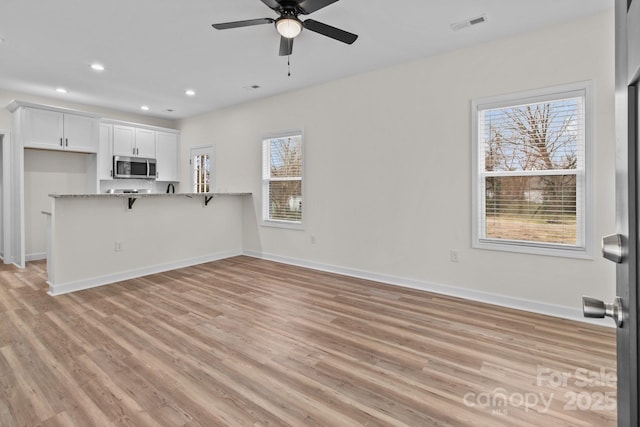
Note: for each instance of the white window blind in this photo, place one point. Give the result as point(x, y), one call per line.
point(531, 169)
point(282, 179)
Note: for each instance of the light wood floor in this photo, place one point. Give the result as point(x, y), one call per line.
point(246, 342)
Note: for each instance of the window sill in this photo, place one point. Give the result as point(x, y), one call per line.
point(290, 225)
point(575, 253)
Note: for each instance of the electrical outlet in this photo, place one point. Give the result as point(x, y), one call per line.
point(119, 247)
point(454, 256)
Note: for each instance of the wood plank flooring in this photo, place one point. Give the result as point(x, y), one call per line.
point(247, 342)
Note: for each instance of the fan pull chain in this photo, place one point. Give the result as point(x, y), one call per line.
point(289, 65)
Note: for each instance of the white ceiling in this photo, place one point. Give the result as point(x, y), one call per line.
point(155, 49)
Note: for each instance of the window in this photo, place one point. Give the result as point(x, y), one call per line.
point(201, 159)
point(282, 180)
point(530, 170)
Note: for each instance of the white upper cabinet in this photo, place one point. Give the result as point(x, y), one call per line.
point(54, 130)
point(135, 142)
point(128, 139)
point(146, 143)
point(124, 140)
point(105, 155)
point(167, 154)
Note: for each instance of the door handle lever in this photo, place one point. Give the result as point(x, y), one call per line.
point(597, 309)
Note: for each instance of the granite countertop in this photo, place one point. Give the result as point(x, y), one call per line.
point(140, 195)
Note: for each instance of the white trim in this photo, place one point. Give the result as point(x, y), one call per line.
point(138, 125)
point(36, 256)
point(585, 249)
point(15, 104)
point(7, 193)
point(291, 225)
point(63, 288)
point(264, 209)
point(554, 310)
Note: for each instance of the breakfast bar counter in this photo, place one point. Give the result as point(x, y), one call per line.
point(97, 239)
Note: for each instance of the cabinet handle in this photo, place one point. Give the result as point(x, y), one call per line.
point(66, 142)
point(60, 142)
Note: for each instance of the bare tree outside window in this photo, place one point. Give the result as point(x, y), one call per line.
point(201, 170)
point(532, 171)
point(282, 177)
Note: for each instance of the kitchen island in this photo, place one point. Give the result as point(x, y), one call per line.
point(97, 239)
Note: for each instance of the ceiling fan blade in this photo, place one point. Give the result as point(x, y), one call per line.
point(309, 6)
point(273, 4)
point(247, 23)
point(329, 31)
point(286, 46)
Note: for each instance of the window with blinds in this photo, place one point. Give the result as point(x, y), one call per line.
point(282, 180)
point(530, 171)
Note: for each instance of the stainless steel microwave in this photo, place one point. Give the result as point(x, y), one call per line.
point(134, 167)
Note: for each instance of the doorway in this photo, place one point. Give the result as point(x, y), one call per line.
point(201, 163)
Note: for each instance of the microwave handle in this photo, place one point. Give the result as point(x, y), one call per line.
point(148, 169)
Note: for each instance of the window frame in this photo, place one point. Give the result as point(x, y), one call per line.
point(585, 251)
point(279, 223)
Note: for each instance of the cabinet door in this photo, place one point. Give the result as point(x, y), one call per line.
point(123, 140)
point(146, 143)
point(43, 129)
point(105, 154)
point(167, 154)
point(80, 133)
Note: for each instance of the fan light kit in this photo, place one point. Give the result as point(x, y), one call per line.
point(289, 25)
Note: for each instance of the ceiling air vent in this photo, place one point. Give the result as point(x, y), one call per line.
point(469, 22)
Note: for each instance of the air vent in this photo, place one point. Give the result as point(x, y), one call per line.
point(469, 22)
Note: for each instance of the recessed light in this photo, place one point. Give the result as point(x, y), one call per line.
point(144, 108)
point(97, 66)
point(61, 90)
point(190, 92)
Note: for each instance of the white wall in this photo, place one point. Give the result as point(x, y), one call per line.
point(47, 172)
point(388, 161)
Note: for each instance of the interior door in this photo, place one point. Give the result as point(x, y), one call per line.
point(627, 185)
point(622, 247)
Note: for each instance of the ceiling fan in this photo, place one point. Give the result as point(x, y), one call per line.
point(289, 25)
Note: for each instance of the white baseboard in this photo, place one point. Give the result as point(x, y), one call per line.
point(35, 257)
point(63, 288)
point(554, 310)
